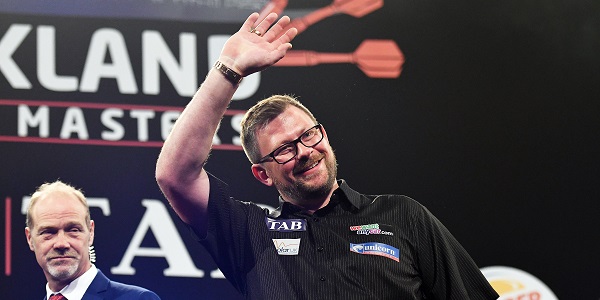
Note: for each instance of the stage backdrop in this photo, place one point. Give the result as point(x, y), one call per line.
point(485, 112)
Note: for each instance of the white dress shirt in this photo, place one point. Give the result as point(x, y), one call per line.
point(77, 287)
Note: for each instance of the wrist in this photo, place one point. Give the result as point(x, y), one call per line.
point(231, 75)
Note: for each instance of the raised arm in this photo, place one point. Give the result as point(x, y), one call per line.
point(179, 170)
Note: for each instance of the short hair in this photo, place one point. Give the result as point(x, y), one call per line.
point(47, 188)
point(260, 115)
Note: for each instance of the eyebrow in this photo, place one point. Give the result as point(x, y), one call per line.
point(67, 225)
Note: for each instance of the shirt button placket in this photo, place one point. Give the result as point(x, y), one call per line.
point(320, 249)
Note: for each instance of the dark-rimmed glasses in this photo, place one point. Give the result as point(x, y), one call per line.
point(288, 151)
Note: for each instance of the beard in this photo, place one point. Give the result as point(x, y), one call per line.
point(305, 194)
point(63, 271)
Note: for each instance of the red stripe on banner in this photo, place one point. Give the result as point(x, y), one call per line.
point(10, 102)
point(7, 229)
point(4, 138)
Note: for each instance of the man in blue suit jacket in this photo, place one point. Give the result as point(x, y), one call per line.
point(60, 232)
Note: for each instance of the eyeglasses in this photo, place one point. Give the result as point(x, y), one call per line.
point(288, 151)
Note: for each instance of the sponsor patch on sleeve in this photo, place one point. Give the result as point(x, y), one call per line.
point(287, 246)
point(378, 249)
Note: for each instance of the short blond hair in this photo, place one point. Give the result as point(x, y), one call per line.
point(48, 188)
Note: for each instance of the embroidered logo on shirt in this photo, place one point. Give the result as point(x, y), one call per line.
point(286, 225)
point(287, 246)
point(376, 249)
point(370, 229)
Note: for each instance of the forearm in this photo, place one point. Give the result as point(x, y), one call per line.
point(179, 165)
point(189, 143)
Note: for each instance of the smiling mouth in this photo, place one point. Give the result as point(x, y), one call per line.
point(308, 167)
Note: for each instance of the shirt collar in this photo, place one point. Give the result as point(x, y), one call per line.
point(357, 199)
point(77, 287)
point(343, 192)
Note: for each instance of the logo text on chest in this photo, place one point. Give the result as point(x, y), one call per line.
point(286, 225)
point(287, 246)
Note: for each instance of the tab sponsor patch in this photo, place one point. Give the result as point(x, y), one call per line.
point(287, 246)
point(376, 249)
point(286, 225)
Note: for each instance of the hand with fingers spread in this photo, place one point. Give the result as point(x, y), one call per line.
point(258, 44)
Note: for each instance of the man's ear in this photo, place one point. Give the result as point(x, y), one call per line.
point(29, 237)
point(92, 228)
point(260, 173)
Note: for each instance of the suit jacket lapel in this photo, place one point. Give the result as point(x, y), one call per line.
point(98, 288)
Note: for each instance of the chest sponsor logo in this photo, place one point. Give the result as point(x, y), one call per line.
point(376, 249)
point(370, 229)
point(287, 246)
point(286, 225)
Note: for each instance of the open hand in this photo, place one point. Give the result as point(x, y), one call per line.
point(258, 44)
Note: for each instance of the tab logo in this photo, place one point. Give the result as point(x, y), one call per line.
point(287, 246)
point(378, 249)
point(286, 225)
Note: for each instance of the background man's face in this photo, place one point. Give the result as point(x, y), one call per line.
point(60, 236)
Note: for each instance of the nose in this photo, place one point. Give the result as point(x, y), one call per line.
point(303, 151)
point(61, 241)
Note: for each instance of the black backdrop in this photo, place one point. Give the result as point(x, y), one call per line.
point(492, 125)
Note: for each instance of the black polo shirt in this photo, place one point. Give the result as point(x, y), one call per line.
point(357, 247)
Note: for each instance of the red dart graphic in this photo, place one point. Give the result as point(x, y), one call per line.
point(376, 58)
point(355, 8)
